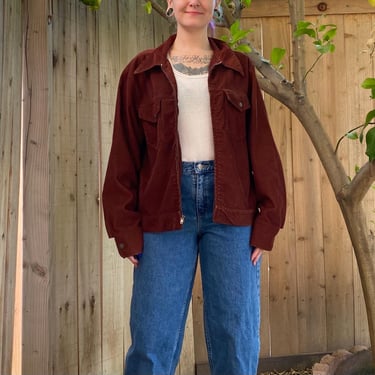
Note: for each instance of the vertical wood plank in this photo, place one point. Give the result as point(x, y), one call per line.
point(282, 261)
point(357, 30)
point(200, 350)
point(309, 233)
point(115, 303)
point(127, 50)
point(63, 224)
point(88, 236)
point(256, 38)
point(36, 263)
point(186, 365)
point(128, 27)
point(10, 158)
point(309, 245)
point(330, 75)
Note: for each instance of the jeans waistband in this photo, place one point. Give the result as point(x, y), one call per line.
point(198, 167)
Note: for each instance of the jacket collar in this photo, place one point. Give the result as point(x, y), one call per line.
point(222, 54)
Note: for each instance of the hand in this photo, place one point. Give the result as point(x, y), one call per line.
point(256, 255)
point(133, 260)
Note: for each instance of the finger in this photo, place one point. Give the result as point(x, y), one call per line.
point(133, 260)
point(256, 255)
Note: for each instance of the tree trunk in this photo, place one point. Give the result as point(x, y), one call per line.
point(349, 196)
point(363, 241)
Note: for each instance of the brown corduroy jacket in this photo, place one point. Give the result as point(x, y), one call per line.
point(142, 185)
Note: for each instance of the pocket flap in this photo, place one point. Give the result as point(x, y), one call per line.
point(149, 112)
point(239, 100)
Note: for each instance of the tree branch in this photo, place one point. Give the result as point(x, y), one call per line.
point(297, 13)
point(271, 80)
point(159, 9)
point(361, 183)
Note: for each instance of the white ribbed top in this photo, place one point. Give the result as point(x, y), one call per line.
point(194, 117)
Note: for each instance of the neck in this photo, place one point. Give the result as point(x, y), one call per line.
point(188, 42)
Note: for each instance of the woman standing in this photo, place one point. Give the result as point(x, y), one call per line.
point(193, 171)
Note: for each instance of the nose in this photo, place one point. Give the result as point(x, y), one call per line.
point(194, 4)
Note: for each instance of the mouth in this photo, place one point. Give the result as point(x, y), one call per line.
point(193, 12)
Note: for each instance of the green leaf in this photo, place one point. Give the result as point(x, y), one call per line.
point(234, 27)
point(310, 32)
point(247, 3)
point(352, 135)
point(276, 55)
point(93, 4)
point(329, 35)
point(370, 116)
point(322, 28)
point(236, 36)
point(148, 7)
point(370, 141)
point(361, 136)
point(368, 83)
point(303, 24)
point(305, 28)
point(325, 48)
point(239, 35)
point(245, 48)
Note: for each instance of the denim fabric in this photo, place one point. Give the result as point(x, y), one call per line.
point(163, 284)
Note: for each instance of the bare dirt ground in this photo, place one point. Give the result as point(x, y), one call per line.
point(289, 372)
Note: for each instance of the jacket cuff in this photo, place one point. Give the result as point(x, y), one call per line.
point(132, 245)
point(263, 235)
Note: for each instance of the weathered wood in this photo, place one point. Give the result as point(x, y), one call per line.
point(114, 269)
point(279, 8)
point(198, 321)
point(186, 365)
point(330, 74)
point(256, 38)
point(63, 201)
point(36, 254)
point(88, 235)
point(282, 262)
point(309, 245)
point(10, 161)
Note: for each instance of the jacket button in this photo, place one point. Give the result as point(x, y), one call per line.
point(240, 104)
point(121, 246)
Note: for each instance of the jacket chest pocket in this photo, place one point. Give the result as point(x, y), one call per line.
point(157, 122)
point(236, 105)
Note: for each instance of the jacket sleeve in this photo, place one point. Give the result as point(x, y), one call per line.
point(267, 172)
point(120, 190)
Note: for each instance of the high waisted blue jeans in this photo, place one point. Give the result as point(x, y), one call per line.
point(163, 284)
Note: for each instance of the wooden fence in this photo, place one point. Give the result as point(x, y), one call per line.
point(76, 288)
point(10, 154)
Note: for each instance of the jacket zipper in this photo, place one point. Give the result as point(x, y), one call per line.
point(178, 157)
